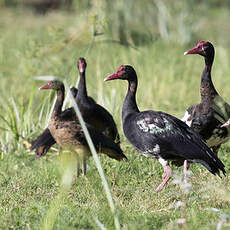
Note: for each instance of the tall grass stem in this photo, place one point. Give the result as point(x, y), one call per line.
point(97, 161)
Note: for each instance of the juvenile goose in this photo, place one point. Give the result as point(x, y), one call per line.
point(45, 141)
point(208, 116)
point(160, 135)
point(67, 132)
point(93, 114)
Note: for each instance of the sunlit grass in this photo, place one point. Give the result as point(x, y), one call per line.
point(168, 81)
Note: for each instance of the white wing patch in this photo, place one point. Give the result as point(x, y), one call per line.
point(143, 126)
point(163, 162)
point(156, 149)
point(187, 118)
point(152, 153)
point(153, 128)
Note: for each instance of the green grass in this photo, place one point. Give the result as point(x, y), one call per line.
point(32, 193)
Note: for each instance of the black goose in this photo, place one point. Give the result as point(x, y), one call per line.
point(67, 132)
point(93, 113)
point(160, 135)
point(74, 92)
point(208, 116)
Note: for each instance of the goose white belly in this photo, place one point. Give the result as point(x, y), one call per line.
point(187, 118)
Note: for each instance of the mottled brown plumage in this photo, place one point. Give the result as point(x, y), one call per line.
point(67, 132)
point(93, 113)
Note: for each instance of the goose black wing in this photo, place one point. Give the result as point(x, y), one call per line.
point(43, 143)
point(175, 139)
point(102, 143)
point(105, 145)
point(74, 92)
point(105, 120)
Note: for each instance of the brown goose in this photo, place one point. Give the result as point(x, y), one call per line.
point(67, 132)
point(208, 116)
point(93, 113)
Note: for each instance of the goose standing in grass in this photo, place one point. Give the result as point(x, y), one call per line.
point(208, 116)
point(93, 114)
point(45, 141)
point(67, 131)
point(161, 136)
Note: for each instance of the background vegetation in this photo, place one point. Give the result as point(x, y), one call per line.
point(150, 35)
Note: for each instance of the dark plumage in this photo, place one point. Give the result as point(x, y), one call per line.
point(74, 92)
point(208, 116)
point(67, 132)
point(42, 143)
point(47, 141)
point(93, 113)
point(160, 135)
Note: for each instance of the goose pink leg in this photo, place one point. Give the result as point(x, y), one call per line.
point(186, 167)
point(166, 176)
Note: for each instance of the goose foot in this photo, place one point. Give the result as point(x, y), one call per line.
point(166, 176)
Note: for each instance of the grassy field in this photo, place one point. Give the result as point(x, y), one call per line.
point(32, 192)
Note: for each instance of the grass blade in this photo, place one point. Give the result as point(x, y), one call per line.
point(97, 161)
